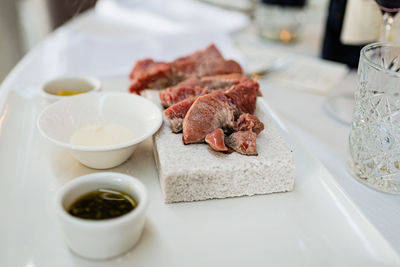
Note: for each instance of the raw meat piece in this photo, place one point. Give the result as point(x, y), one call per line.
point(244, 95)
point(191, 87)
point(216, 140)
point(151, 74)
point(221, 96)
point(222, 81)
point(204, 116)
point(205, 63)
point(176, 113)
point(248, 122)
point(243, 142)
point(241, 97)
point(172, 96)
point(189, 82)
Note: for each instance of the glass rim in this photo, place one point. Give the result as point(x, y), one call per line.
point(373, 64)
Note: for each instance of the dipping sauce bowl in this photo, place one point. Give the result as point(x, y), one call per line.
point(63, 87)
point(108, 238)
point(101, 130)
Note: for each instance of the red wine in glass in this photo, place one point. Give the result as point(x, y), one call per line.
point(389, 6)
point(389, 9)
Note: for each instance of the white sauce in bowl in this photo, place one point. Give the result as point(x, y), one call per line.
point(102, 135)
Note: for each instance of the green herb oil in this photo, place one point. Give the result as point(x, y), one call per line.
point(102, 204)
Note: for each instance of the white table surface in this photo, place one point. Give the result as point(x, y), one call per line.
point(302, 112)
point(306, 115)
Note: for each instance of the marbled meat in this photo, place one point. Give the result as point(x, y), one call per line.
point(248, 89)
point(204, 116)
point(194, 86)
point(148, 73)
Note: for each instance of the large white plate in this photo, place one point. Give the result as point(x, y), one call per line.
point(315, 225)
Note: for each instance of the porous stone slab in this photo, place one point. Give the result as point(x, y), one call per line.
point(196, 172)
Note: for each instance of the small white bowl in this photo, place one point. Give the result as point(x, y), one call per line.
point(85, 84)
point(102, 239)
point(59, 121)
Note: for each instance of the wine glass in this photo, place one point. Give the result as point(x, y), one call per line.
point(389, 9)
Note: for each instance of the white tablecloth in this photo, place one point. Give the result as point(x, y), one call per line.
point(304, 113)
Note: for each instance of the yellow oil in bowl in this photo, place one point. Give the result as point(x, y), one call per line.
point(69, 92)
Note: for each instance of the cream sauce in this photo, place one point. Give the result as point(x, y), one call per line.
point(102, 135)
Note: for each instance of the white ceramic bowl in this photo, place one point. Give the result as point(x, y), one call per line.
point(59, 121)
point(108, 238)
point(86, 84)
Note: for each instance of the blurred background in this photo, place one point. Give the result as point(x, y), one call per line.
point(23, 23)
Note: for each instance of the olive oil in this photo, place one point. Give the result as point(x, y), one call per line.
point(69, 92)
point(102, 204)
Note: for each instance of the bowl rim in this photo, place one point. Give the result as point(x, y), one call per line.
point(134, 141)
point(94, 178)
point(95, 82)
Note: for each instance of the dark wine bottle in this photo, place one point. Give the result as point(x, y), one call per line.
point(333, 48)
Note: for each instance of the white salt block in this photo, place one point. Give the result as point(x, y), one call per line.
point(196, 172)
